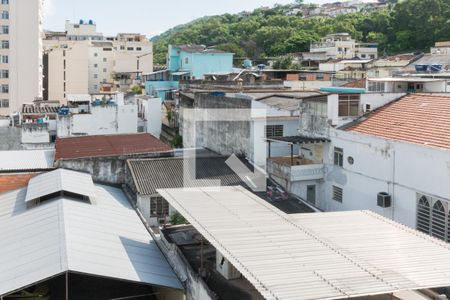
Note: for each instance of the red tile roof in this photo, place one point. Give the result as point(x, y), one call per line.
point(417, 118)
point(108, 145)
point(14, 182)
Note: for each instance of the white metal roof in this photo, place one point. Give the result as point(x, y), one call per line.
point(60, 180)
point(312, 256)
point(11, 161)
point(107, 239)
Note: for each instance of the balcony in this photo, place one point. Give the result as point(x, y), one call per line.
point(295, 168)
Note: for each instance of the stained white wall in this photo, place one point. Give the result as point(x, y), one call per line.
point(400, 169)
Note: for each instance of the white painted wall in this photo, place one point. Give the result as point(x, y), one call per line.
point(153, 115)
point(400, 169)
point(111, 119)
point(308, 85)
point(25, 53)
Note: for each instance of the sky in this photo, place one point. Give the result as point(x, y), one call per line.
point(149, 17)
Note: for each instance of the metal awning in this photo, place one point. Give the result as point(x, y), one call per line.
point(179, 73)
point(298, 139)
point(312, 256)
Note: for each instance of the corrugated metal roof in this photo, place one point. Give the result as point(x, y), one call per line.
point(152, 174)
point(60, 180)
point(313, 256)
point(417, 118)
point(107, 239)
point(11, 161)
point(108, 145)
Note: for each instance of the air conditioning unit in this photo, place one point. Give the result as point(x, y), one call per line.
point(367, 107)
point(384, 200)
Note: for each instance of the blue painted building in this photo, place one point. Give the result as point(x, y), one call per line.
point(194, 61)
point(186, 62)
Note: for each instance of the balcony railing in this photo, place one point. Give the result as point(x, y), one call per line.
point(295, 169)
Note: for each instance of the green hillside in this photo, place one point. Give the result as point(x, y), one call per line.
point(409, 25)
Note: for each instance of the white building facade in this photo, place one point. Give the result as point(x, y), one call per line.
point(83, 61)
point(342, 46)
point(20, 53)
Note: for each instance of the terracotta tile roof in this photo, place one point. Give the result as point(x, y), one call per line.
point(108, 145)
point(14, 182)
point(422, 119)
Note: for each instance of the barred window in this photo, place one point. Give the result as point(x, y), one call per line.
point(159, 207)
point(4, 103)
point(338, 194)
point(274, 131)
point(375, 86)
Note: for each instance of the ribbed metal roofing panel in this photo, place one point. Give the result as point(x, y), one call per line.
point(11, 161)
point(106, 239)
point(60, 180)
point(312, 256)
point(152, 174)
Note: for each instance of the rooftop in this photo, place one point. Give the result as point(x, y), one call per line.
point(108, 145)
point(318, 256)
point(417, 118)
point(41, 109)
point(198, 49)
point(11, 182)
point(26, 160)
point(105, 239)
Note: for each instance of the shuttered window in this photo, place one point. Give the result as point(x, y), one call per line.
point(337, 194)
point(433, 217)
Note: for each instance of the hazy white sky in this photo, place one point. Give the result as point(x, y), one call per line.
point(149, 17)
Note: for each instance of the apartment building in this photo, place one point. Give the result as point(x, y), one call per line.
point(20, 53)
point(83, 61)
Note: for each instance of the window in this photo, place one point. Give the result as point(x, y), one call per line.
point(348, 105)
point(159, 207)
point(95, 65)
point(4, 29)
point(338, 157)
point(433, 217)
point(4, 15)
point(105, 59)
point(5, 89)
point(95, 54)
point(4, 103)
point(186, 60)
point(95, 75)
point(5, 2)
point(138, 49)
point(5, 45)
point(122, 47)
point(4, 73)
point(274, 131)
point(130, 48)
point(376, 86)
point(104, 70)
point(337, 194)
point(95, 87)
point(372, 56)
point(363, 56)
point(107, 49)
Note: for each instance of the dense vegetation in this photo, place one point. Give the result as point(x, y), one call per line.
point(409, 25)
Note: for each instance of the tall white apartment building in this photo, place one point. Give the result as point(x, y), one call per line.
point(20, 53)
point(83, 61)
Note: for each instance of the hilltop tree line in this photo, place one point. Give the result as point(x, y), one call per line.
point(403, 26)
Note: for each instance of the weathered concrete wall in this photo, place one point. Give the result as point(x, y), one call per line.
point(10, 138)
point(109, 170)
point(224, 137)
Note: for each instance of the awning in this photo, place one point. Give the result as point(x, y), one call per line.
point(312, 256)
point(180, 73)
point(298, 139)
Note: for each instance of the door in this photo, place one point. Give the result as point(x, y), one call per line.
point(311, 194)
